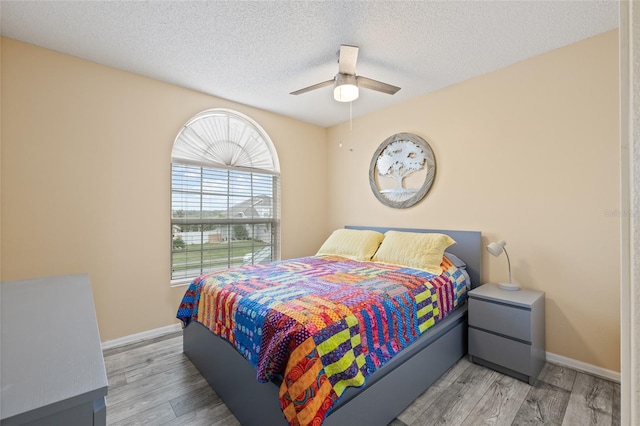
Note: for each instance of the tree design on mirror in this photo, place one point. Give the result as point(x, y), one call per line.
point(402, 170)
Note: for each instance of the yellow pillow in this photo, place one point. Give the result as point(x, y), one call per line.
point(352, 243)
point(415, 250)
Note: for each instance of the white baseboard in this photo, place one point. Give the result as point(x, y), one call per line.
point(584, 367)
point(139, 337)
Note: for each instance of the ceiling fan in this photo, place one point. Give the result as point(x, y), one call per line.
point(346, 82)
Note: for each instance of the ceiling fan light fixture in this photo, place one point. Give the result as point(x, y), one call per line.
point(346, 88)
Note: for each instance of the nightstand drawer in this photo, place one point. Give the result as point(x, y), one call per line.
point(502, 319)
point(499, 350)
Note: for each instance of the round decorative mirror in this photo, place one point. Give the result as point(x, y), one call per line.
point(402, 170)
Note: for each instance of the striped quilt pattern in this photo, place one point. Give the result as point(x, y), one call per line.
point(321, 323)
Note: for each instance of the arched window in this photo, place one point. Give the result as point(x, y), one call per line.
point(225, 195)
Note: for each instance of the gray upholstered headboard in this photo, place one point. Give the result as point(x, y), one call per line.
point(468, 247)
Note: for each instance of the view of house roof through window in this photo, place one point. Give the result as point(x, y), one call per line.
point(225, 206)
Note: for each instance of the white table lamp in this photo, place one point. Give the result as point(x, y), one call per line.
point(496, 249)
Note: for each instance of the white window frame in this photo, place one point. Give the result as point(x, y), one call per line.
point(239, 148)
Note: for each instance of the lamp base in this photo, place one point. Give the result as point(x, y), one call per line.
point(509, 286)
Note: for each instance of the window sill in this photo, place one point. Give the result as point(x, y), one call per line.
point(181, 282)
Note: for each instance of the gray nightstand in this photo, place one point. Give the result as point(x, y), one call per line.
point(506, 331)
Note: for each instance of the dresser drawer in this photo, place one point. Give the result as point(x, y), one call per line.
point(502, 319)
point(499, 350)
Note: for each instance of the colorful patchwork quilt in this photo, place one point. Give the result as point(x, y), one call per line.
point(320, 323)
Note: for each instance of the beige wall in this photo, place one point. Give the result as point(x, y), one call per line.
point(85, 180)
point(529, 154)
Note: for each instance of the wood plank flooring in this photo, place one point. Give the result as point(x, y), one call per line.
point(153, 383)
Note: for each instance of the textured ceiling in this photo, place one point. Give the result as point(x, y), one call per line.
point(256, 53)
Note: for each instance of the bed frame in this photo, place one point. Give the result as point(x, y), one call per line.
point(386, 393)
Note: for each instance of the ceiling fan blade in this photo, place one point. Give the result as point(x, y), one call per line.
point(379, 86)
point(314, 87)
point(348, 58)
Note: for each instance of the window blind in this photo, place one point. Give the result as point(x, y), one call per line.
point(221, 218)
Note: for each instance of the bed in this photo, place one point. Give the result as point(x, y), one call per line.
point(389, 389)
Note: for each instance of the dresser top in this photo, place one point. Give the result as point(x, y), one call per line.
point(493, 293)
point(51, 351)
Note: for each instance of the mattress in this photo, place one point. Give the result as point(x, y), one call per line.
point(321, 324)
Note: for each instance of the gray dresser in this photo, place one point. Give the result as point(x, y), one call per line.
point(506, 331)
point(52, 369)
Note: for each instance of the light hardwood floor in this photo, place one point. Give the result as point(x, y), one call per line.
point(153, 383)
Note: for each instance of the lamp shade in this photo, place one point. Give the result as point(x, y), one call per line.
point(496, 248)
point(346, 88)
